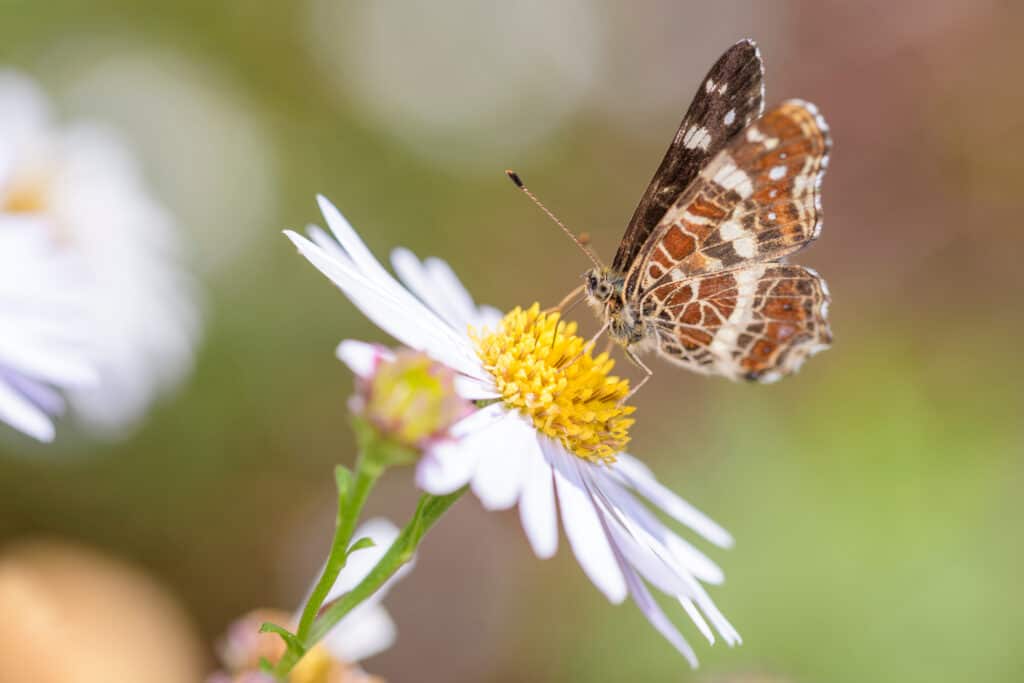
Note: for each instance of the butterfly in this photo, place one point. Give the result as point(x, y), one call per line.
point(700, 274)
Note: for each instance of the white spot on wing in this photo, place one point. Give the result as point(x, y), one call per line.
point(777, 172)
point(697, 136)
point(745, 246)
point(724, 172)
point(730, 230)
point(730, 116)
point(709, 86)
point(724, 341)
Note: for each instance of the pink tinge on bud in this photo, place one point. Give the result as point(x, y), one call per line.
point(243, 645)
point(409, 397)
point(244, 677)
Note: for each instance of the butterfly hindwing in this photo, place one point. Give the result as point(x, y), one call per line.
point(758, 322)
point(729, 98)
point(759, 199)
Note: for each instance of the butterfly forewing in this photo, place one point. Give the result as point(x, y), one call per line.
point(758, 322)
point(729, 98)
point(759, 199)
point(699, 274)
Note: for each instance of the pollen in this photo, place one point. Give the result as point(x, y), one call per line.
point(548, 373)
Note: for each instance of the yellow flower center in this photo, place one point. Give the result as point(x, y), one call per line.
point(28, 191)
point(546, 372)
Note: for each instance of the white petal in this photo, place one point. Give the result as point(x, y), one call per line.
point(328, 243)
point(457, 296)
point(403, 317)
point(662, 541)
point(48, 365)
point(499, 474)
point(638, 476)
point(365, 631)
point(645, 601)
point(23, 416)
point(350, 241)
point(446, 467)
point(43, 396)
point(473, 389)
point(636, 547)
point(416, 278)
point(480, 419)
point(583, 528)
point(537, 503)
point(697, 618)
point(362, 358)
point(649, 558)
point(718, 620)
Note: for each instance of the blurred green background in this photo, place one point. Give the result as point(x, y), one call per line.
point(875, 497)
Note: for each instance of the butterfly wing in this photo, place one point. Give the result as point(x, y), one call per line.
point(729, 98)
point(759, 199)
point(759, 322)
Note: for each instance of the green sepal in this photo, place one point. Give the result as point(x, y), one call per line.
point(380, 451)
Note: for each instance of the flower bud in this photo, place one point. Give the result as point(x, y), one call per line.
point(410, 398)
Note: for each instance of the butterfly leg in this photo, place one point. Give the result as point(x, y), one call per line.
point(640, 364)
point(568, 297)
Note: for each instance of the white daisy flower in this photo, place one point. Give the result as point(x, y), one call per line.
point(42, 328)
point(79, 186)
point(364, 632)
point(550, 434)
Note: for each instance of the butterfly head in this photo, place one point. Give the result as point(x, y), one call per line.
point(600, 285)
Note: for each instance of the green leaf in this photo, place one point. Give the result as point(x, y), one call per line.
point(364, 542)
point(289, 638)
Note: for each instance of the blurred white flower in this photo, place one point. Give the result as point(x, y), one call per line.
point(364, 632)
point(209, 153)
point(81, 190)
point(42, 329)
point(553, 422)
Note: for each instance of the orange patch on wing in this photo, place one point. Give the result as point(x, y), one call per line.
point(711, 286)
point(677, 244)
point(680, 296)
point(691, 315)
point(701, 206)
point(784, 308)
point(692, 339)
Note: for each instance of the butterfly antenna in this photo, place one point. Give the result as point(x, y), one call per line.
point(581, 242)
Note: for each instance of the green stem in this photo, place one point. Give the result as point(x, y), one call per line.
point(350, 503)
point(428, 511)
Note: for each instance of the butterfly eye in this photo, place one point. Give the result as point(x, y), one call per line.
point(604, 290)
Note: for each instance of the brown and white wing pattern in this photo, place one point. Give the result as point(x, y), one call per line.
point(729, 98)
point(758, 200)
point(759, 322)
